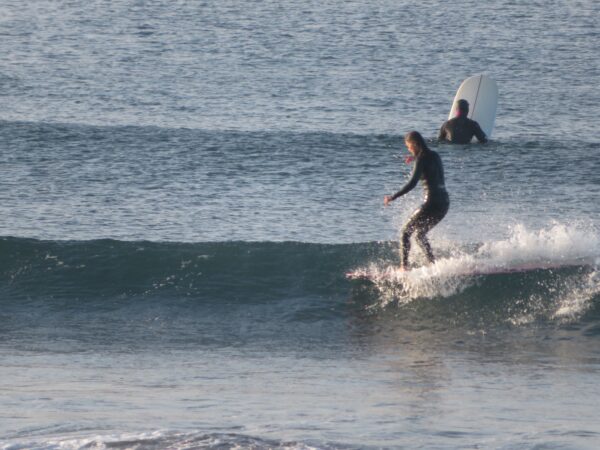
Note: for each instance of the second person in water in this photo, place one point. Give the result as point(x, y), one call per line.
point(429, 169)
point(461, 129)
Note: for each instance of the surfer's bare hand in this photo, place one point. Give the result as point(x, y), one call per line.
point(387, 199)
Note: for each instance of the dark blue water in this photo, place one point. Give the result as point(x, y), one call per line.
point(186, 184)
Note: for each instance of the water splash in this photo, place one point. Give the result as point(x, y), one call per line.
point(555, 247)
point(577, 300)
point(558, 244)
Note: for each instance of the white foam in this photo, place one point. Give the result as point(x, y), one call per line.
point(156, 439)
point(558, 243)
point(555, 246)
point(576, 301)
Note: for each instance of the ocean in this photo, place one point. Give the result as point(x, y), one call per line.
point(186, 184)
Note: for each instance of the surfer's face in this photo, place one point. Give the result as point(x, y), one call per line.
point(412, 147)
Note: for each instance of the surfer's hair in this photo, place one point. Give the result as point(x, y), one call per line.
point(463, 106)
point(415, 137)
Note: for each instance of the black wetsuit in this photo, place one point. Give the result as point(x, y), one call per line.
point(461, 130)
point(429, 169)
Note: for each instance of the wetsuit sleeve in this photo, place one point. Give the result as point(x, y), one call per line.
point(442, 133)
point(479, 134)
point(414, 179)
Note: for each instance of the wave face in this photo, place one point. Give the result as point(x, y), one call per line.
point(214, 293)
point(105, 292)
point(210, 272)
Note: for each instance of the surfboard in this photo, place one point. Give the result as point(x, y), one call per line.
point(482, 94)
point(391, 273)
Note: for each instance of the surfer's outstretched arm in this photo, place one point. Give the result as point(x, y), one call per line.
point(410, 184)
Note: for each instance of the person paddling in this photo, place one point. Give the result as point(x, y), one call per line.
point(427, 167)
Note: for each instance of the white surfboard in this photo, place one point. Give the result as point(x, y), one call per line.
point(393, 274)
point(482, 94)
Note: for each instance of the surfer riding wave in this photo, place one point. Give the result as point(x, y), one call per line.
point(429, 169)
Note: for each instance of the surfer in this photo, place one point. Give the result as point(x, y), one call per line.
point(461, 129)
point(429, 169)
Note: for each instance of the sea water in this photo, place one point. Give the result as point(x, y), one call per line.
point(185, 185)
